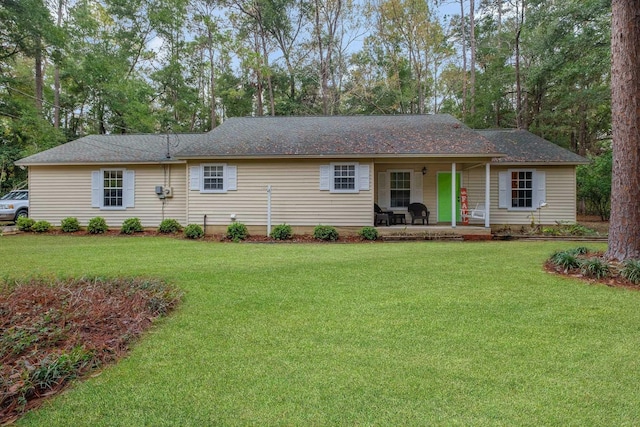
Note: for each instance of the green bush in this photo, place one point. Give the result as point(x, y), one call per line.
point(97, 225)
point(69, 225)
point(565, 259)
point(631, 270)
point(325, 232)
point(281, 232)
point(237, 231)
point(41, 226)
point(131, 225)
point(594, 267)
point(169, 226)
point(368, 233)
point(193, 231)
point(24, 223)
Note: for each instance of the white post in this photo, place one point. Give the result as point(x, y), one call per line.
point(487, 194)
point(268, 210)
point(454, 196)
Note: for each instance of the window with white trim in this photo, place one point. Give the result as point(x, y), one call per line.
point(344, 177)
point(521, 189)
point(400, 189)
point(213, 178)
point(112, 189)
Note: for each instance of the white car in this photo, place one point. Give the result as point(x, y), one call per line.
point(14, 204)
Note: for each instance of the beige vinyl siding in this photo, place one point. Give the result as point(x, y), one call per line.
point(560, 195)
point(296, 198)
point(58, 192)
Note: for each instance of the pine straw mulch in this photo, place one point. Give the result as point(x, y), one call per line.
point(614, 279)
point(54, 331)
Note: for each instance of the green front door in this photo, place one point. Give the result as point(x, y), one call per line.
point(444, 196)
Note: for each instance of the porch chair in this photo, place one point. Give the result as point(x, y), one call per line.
point(418, 211)
point(380, 216)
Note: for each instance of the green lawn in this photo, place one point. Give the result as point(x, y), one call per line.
point(426, 333)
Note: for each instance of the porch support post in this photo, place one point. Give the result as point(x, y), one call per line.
point(487, 194)
point(454, 196)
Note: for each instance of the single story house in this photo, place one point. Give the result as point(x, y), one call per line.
point(306, 171)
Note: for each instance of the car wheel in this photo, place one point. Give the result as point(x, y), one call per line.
point(22, 214)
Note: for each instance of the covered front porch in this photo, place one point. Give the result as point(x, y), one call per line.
point(449, 188)
point(434, 232)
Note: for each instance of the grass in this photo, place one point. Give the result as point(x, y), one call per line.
point(359, 334)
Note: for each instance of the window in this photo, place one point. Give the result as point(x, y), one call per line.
point(213, 178)
point(344, 177)
point(400, 186)
point(521, 189)
point(112, 189)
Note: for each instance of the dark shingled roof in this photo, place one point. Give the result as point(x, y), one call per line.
point(129, 148)
point(438, 134)
point(523, 146)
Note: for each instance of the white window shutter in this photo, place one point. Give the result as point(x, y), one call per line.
point(541, 192)
point(325, 177)
point(128, 194)
point(231, 178)
point(384, 194)
point(363, 177)
point(96, 189)
point(416, 187)
point(194, 178)
point(503, 188)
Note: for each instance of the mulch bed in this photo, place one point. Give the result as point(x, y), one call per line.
point(614, 279)
point(55, 331)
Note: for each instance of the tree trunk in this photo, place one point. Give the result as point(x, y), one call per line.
point(39, 75)
point(472, 44)
point(212, 71)
point(624, 226)
point(464, 61)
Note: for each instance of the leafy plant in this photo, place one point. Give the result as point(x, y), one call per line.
point(594, 267)
point(281, 232)
point(368, 233)
point(69, 225)
point(169, 226)
point(631, 270)
point(565, 259)
point(193, 231)
point(325, 232)
point(25, 223)
point(131, 225)
point(237, 231)
point(41, 226)
point(97, 225)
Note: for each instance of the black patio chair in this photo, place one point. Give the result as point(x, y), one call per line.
point(418, 211)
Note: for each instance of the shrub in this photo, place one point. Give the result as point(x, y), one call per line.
point(325, 232)
point(169, 226)
point(131, 225)
point(565, 259)
point(594, 267)
point(281, 232)
point(69, 225)
point(193, 231)
point(368, 233)
point(237, 231)
point(41, 226)
point(24, 223)
point(631, 270)
point(97, 225)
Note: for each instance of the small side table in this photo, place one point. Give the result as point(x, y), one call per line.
point(398, 218)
